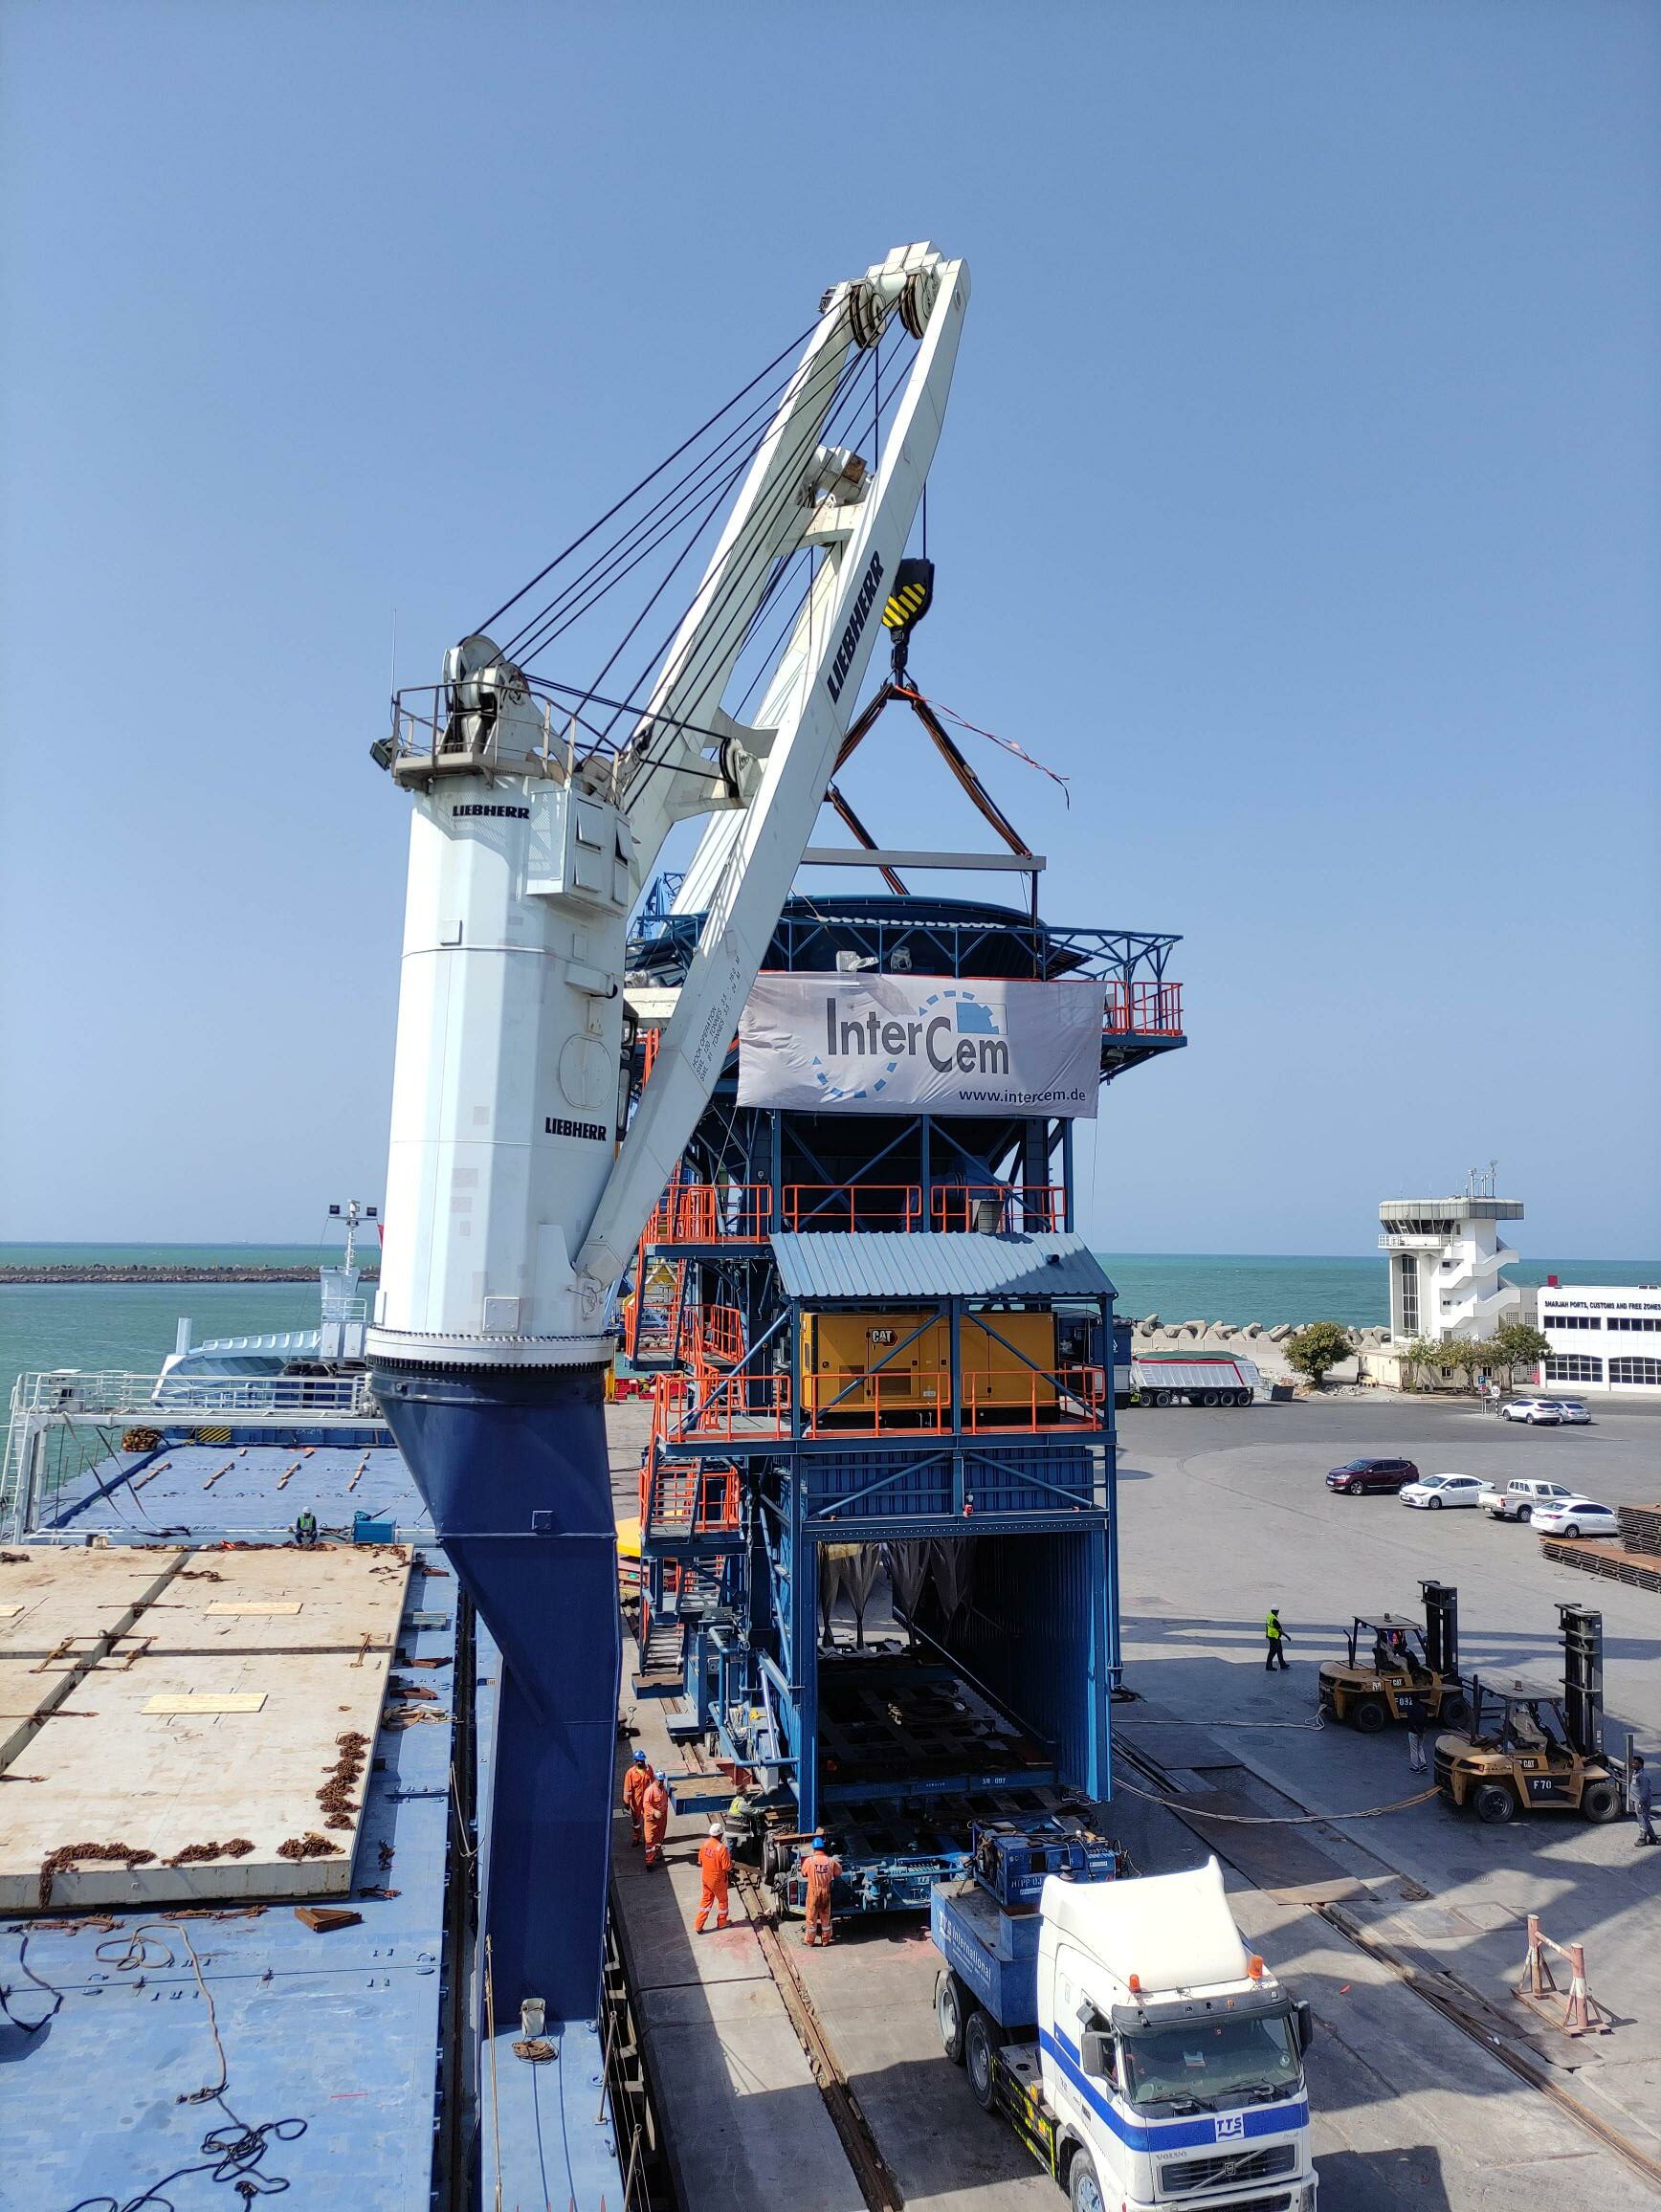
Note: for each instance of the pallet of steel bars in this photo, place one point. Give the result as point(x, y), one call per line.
point(1638, 1570)
point(1640, 1528)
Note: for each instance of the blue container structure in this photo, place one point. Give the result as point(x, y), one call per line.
point(974, 1513)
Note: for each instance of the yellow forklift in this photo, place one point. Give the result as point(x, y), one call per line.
point(1399, 1668)
point(1533, 1747)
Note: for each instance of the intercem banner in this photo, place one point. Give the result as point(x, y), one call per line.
point(882, 1043)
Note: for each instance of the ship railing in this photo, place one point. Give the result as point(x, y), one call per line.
point(74, 1394)
point(426, 727)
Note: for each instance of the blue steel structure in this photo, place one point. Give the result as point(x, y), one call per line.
point(947, 1246)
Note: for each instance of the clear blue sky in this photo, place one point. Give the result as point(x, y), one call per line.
point(1300, 498)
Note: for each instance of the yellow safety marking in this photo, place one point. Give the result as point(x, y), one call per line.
point(208, 1701)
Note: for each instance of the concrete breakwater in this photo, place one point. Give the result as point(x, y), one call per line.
point(99, 1271)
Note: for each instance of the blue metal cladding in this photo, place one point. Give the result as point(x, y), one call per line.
point(1036, 1635)
point(513, 1464)
point(891, 1485)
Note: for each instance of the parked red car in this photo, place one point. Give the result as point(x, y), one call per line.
point(1357, 1476)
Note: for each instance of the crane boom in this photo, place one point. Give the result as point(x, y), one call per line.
point(508, 1220)
point(511, 1210)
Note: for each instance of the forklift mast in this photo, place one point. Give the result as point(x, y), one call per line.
point(1440, 1627)
point(1582, 1633)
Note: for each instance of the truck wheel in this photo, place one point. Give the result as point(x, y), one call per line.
point(1525, 1512)
point(1242, 1396)
point(980, 2041)
point(1494, 1804)
point(1600, 1800)
point(1208, 1397)
point(1369, 1715)
point(950, 2006)
point(1161, 1397)
point(1083, 2189)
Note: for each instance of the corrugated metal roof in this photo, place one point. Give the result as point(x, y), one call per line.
point(890, 1263)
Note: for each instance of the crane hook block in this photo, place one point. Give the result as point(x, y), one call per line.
point(907, 602)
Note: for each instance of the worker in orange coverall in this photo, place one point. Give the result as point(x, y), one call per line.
point(820, 1871)
point(715, 1863)
point(654, 1817)
point(635, 1777)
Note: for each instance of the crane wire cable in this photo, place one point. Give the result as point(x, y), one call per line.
point(842, 416)
point(794, 346)
point(844, 403)
point(684, 490)
point(553, 619)
point(758, 525)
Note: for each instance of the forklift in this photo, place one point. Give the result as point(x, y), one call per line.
point(1531, 1747)
point(1399, 1668)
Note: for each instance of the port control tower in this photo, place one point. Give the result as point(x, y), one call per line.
point(1444, 1258)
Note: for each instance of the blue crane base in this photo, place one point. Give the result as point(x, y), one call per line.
point(513, 1464)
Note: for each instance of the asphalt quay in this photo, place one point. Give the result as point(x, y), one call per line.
point(1223, 1512)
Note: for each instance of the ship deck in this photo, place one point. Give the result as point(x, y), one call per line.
point(205, 2036)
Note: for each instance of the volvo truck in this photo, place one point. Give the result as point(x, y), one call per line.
point(1120, 2026)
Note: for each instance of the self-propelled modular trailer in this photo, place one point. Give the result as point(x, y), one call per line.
point(1122, 2029)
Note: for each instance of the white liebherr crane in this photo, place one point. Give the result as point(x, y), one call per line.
point(509, 1217)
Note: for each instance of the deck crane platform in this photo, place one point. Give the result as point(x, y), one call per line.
point(512, 1211)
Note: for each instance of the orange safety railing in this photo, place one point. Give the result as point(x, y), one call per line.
point(715, 1335)
point(726, 1407)
point(1016, 1401)
point(712, 1213)
point(851, 1205)
point(1038, 1208)
point(1143, 1009)
point(682, 1497)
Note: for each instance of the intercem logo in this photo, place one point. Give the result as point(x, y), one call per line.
point(962, 1038)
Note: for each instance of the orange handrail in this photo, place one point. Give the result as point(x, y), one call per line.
point(855, 1205)
point(1037, 1206)
point(1143, 1009)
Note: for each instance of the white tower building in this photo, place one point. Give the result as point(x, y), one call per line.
point(1444, 1259)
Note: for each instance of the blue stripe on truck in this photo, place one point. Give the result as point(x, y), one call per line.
point(1170, 2135)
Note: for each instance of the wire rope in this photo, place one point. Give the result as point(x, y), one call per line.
point(794, 346)
point(682, 492)
point(842, 406)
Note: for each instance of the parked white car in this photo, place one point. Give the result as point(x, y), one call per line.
point(1431, 1491)
point(1573, 1412)
point(1576, 1516)
point(1537, 1412)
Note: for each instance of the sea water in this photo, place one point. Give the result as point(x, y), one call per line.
point(131, 1325)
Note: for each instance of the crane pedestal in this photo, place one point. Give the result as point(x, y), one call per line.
point(513, 1464)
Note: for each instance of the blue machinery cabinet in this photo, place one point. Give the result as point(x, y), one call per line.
point(977, 1519)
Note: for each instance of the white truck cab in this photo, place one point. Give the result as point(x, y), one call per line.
point(1135, 2047)
point(1171, 2054)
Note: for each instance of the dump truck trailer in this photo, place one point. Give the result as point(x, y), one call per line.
point(1201, 1379)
